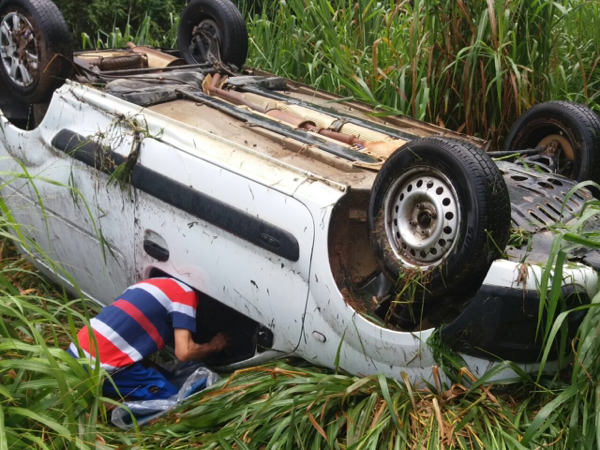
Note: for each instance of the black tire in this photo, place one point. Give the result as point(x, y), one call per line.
point(52, 43)
point(575, 122)
point(481, 228)
point(233, 45)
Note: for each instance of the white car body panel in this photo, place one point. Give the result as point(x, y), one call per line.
point(298, 301)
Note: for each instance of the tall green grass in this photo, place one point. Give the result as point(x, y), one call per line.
point(142, 35)
point(47, 399)
point(577, 400)
point(91, 16)
point(472, 66)
point(283, 406)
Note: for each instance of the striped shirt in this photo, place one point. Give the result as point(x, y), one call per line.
point(139, 323)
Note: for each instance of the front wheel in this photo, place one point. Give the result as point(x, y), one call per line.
point(439, 215)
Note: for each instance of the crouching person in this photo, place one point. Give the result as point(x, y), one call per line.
point(145, 318)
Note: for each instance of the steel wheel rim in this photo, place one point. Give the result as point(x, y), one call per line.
point(18, 49)
point(422, 215)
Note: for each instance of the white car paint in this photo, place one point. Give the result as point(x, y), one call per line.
point(299, 301)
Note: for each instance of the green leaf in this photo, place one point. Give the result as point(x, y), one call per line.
point(550, 408)
point(385, 392)
point(5, 392)
point(3, 438)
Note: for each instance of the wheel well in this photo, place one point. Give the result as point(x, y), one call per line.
point(246, 335)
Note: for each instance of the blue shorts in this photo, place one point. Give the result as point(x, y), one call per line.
point(137, 382)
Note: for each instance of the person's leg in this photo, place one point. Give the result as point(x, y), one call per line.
point(137, 382)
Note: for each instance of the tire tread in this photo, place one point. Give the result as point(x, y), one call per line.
point(494, 208)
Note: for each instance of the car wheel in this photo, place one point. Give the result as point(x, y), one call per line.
point(218, 19)
point(36, 52)
point(573, 127)
point(439, 215)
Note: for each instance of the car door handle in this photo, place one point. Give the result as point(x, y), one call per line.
point(156, 251)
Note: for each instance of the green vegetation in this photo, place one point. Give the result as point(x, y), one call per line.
point(155, 21)
point(283, 406)
point(142, 36)
point(46, 397)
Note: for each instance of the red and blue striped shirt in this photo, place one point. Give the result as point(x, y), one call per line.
point(139, 323)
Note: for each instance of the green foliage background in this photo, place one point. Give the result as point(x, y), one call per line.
point(92, 16)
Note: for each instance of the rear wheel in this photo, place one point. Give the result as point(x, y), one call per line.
point(35, 48)
point(439, 215)
point(206, 21)
point(572, 129)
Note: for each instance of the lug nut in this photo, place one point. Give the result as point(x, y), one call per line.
point(425, 232)
point(433, 215)
point(418, 206)
point(412, 222)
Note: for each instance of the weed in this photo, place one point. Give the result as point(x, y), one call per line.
point(519, 237)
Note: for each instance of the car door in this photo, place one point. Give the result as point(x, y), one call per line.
point(79, 226)
point(241, 242)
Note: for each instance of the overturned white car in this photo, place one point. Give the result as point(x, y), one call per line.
point(309, 227)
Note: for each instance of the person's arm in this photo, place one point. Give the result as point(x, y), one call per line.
point(187, 350)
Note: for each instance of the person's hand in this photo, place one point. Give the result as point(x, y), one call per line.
point(219, 342)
